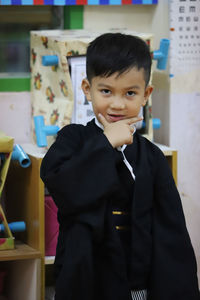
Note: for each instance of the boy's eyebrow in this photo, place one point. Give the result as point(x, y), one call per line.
point(126, 88)
point(104, 85)
point(133, 87)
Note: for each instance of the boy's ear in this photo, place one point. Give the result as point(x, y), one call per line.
point(86, 88)
point(147, 93)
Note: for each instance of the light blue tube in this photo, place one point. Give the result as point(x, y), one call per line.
point(161, 55)
point(43, 131)
point(49, 60)
point(51, 129)
point(40, 134)
point(155, 122)
point(19, 154)
point(15, 226)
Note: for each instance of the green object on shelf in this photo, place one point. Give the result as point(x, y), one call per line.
point(14, 84)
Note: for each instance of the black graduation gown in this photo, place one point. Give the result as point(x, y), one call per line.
point(80, 173)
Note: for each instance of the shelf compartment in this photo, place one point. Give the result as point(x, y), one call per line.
point(21, 252)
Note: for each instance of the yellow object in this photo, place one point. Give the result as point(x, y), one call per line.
point(116, 212)
point(6, 148)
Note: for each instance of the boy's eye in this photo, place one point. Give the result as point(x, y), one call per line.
point(105, 91)
point(130, 93)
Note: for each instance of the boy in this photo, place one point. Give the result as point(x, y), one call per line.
point(122, 229)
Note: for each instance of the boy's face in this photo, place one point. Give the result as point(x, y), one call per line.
point(117, 97)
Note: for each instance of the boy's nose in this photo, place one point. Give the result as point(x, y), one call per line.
point(117, 103)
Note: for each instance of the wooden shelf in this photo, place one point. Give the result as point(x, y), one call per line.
point(21, 252)
point(168, 151)
point(171, 156)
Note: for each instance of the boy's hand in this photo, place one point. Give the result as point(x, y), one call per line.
point(120, 132)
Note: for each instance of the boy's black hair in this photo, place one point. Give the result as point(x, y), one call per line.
point(116, 53)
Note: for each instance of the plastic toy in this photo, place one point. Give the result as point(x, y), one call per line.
point(49, 60)
point(14, 226)
point(19, 154)
point(42, 131)
point(161, 55)
point(155, 122)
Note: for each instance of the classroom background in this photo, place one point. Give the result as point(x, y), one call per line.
point(175, 100)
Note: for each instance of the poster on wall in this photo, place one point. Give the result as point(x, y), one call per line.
point(184, 35)
point(184, 68)
point(82, 111)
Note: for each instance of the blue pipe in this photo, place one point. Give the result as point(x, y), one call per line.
point(42, 131)
point(19, 154)
point(49, 60)
point(156, 123)
point(14, 226)
point(161, 55)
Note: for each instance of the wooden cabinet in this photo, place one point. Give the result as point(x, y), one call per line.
point(25, 201)
point(20, 262)
point(171, 155)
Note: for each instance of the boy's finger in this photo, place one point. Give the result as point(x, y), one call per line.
point(102, 120)
point(133, 120)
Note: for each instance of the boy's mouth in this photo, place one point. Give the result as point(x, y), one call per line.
point(115, 117)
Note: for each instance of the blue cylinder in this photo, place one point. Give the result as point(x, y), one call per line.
point(49, 60)
point(155, 122)
point(161, 55)
point(157, 54)
point(51, 129)
point(19, 154)
point(15, 226)
point(40, 133)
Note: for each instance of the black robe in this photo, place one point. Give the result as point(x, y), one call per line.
point(80, 173)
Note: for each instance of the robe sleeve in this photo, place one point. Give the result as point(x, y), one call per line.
point(79, 172)
point(174, 269)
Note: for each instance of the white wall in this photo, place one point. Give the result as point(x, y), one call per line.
point(15, 116)
point(185, 136)
point(142, 18)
